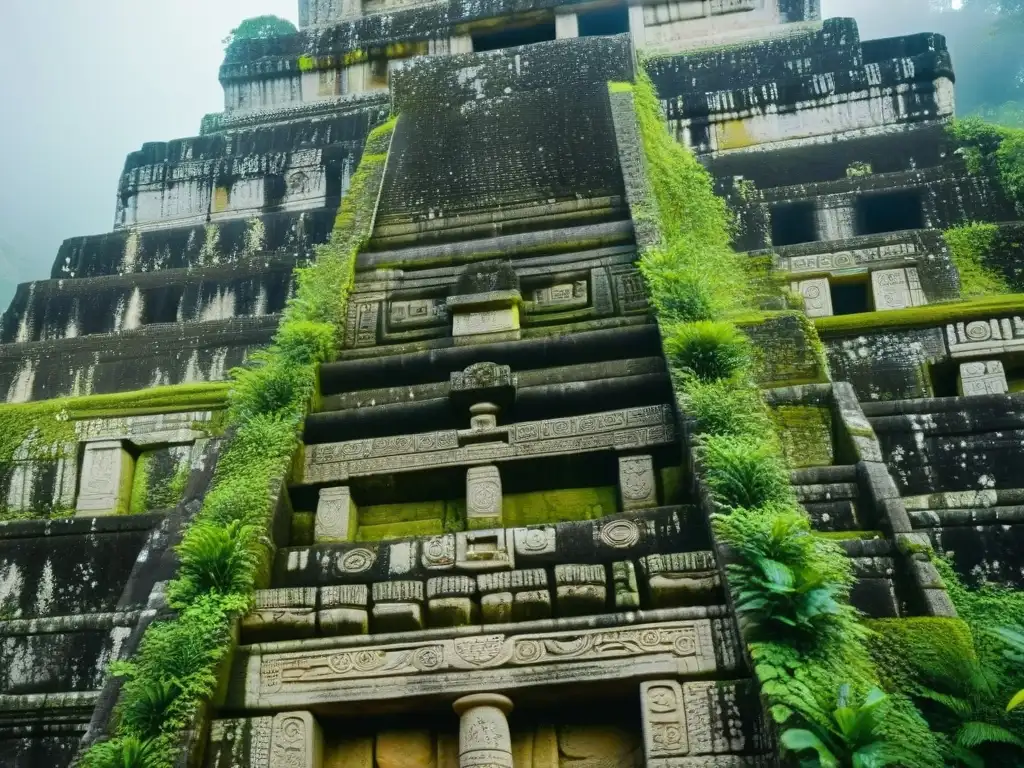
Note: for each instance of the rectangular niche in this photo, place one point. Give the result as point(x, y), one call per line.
point(793, 223)
point(610, 20)
point(512, 36)
point(889, 212)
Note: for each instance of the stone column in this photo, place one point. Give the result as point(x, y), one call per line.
point(336, 515)
point(483, 497)
point(106, 486)
point(637, 486)
point(484, 739)
point(834, 217)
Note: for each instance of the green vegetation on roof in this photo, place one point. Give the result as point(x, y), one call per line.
point(922, 317)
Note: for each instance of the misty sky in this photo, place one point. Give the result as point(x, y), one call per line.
point(84, 82)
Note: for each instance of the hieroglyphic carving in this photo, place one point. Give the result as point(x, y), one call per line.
point(483, 550)
point(487, 321)
point(335, 515)
point(439, 552)
point(625, 429)
point(295, 741)
point(354, 561)
point(713, 719)
point(631, 291)
point(484, 740)
point(325, 673)
point(367, 314)
point(534, 541)
point(897, 289)
point(985, 337)
point(664, 719)
point(417, 312)
point(637, 486)
point(817, 296)
point(483, 494)
point(847, 260)
point(619, 534)
point(103, 481)
point(562, 295)
point(983, 377)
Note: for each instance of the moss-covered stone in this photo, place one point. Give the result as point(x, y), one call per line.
point(389, 531)
point(558, 506)
point(805, 433)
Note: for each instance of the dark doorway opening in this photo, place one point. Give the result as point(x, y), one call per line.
point(513, 36)
point(889, 212)
point(604, 21)
point(793, 223)
point(849, 298)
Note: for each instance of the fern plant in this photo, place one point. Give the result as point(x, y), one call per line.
point(216, 558)
point(744, 471)
point(148, 710)
point(850, 737)
point(707, 350)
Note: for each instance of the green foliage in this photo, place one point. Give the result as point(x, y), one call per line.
point(259, 28)
point(969, 247)
point(788, 584)
point(858, 169)
point(707, 350)
point(852, 736)
point(996, 150)
point(225, 551)
point(725, 406)
point(744, 471)
point(1015, 653)
point(129, 752)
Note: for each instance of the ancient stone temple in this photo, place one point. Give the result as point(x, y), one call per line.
point(488, 540)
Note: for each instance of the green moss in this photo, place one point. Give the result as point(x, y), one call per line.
point(994, 150)
point(970, 247)
point(303, 529)
point(806, 435)
point(387, 514)
point(558, 506)
point(673, 488)
point(929, 315)
point(405, 530)
point(906, 650)
point(850, 535)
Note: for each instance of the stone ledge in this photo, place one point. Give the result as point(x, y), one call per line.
point(79, 526)
point(53, 625)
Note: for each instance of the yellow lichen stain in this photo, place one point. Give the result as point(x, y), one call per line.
point(733, 134)
point(221, 196)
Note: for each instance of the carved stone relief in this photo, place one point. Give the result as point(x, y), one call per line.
point(985, 337)
point(817, 296)
point(335, 515)
point(897, 289)
point(483, 495)
point(637, 486)
point(983, 377)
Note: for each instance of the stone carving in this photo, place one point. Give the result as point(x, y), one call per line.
point(335, 515)
point(985, 337)
point(281, 613)
point(513, 581)
point(484, 739)
point(296, 741)
point(664, 719)
point(483, 551)
point(603, 303)
point(419, 312)
point(482, 376)
point(145, 431)
point(846, 260)
point(620, 534)
point(983, 378)
point(534, 541)
point(354, 561)
point(561, 295)
point(354, 595)
point(367, 314)
point(580, 590)
point(398, 606)
point(637, 486)
point(897, 288)
point(626, 429)
point(106, 479)
point(451, 586)
point(439, 552)
point(483, 495)
point(817, 296)
point(387, 671)
point(488, 321)
point(630, 291)
point(681, 579)
point(627, 595)
point(714, 721)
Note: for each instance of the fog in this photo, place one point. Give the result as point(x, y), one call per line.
point(85, 82)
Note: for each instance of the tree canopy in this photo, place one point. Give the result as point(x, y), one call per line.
point(259, 28)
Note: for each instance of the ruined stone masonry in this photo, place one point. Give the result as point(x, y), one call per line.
point(492, 551)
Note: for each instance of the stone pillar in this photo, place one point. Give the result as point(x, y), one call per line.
point(106, 486)
point(983, 377)
point(484, 739)
point(664, 720)
point(566, 25)
point(817, 296)
point(637, 487)
point(483, 497)
point(336, 515)
point(834, 217)
point(296, 740)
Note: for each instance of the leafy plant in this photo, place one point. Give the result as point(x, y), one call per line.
point(1015, 653)
point(787, 583)
point(849, 736)
point(994, 149)
point(725, 406)
point(259, 28)
point(127, 752)
point(215, 558)
point(744, 470)
point(706, 350)
point(150, 708)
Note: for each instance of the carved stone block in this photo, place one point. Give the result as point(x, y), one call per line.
point(397, 606)
point(534, 541)
point(106, 479)
point(816, 295)
point(296, 740)
point(682, 579)
point(335, 515)
point(240, 743)
point(483, 497)
point(664, 719)
point(496, 608)
point(483, 551)
point(897, 289)
point(451, 586)
point(281, 614)
point(484, 739)
point(451, 612)
point(483, 382)
point(982, 377)
point(533, 605)
point(580, 590)
point(513, 581)
point(627, 596)
point(343, 610)
point(637, 486)
point(439, 553)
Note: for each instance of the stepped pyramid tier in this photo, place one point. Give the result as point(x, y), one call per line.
point(430, 407)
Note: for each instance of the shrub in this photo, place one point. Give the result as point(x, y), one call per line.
point(725, 407)
point(708, 351)
point(215, 558)
point(744, 471)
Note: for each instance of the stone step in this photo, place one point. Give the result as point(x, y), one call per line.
point(839, 473)
point(562, 239)
point(826, 492)
point(834, 516)
point(942, 518)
